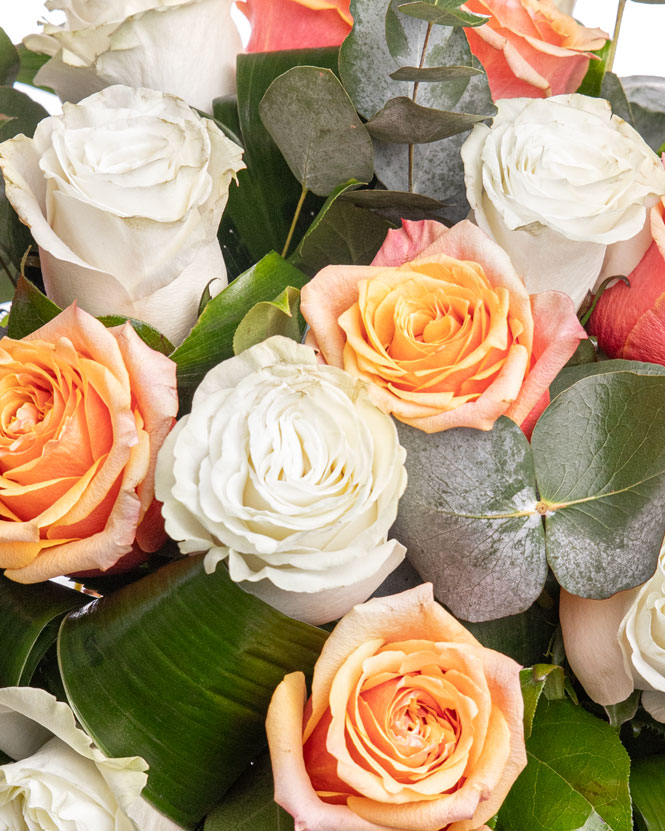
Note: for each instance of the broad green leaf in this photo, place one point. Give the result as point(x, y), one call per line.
point(31, 309)
point(468, 519)
point(612, 89)
point(260, 209)
point(535, 680)
point(280, 316)
point(646, 94)
point(442, 13)
point(9, 60)
point(572, 374)
point(249, 805)
point(403, 122)
point(647, 786)
point(31, 63)
point(148, 334)
point(593, 80)
point(211, 340)
point(29, 620)
point(179, 668)
point(599, 454)
point(433, 74)
point(18, 114)
point(576, 778)
point(313, 122)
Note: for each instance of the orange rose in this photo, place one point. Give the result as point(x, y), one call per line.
point(296, 24)
point(531, 49)
point(412, 724)
point(83, 413)
point(448, 339)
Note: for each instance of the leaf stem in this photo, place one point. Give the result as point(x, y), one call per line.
point(416, 84)
point(296, 217)
point(615, 36)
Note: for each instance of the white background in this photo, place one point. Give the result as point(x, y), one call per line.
point(641, 45)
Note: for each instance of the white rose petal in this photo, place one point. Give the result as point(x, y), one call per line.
point(286, 470)
point(555, 182)
point(124, 193)
point(144, 43)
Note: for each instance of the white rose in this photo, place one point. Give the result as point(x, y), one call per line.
point(184, 47)
point(563, 186)
point(617, 645)
point(59, 780)
point(124, 193)
point(286, 470)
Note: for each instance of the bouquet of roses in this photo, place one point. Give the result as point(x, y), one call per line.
point(334, 383)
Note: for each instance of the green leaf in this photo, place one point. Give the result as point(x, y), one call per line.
point(403, 122)
point(31, 63)
point(482, 547)
point(612, 89)
point(394, 204)
point(9, 60)
point(599, 454)
point(225, 114)
point(572, 374)
point(619, 714)
point(29, 620)
point(280, 316)
point(313, 122)
point(647, 785)
point(593, 80)
point(18, 114)
point(646, 94)
point(249, 805)
point(31, 309)
point(148, 334)
point(576, 778)
point(179, 668)
point(534, 681)
point(211, 340)
point(652, 2)
point(442, 13)
point(433, 74)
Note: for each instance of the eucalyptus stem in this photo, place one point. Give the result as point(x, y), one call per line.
point(296, 217)
point(416, 84)
point(615, 37)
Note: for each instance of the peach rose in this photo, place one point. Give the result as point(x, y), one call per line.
point(412, 724)
point(443, 329)
point(630, 321)
point(296, 24)
point(83, 412)
point(531, 49)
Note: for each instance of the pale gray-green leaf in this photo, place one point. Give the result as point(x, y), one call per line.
point(429, 74)
point(612, 89)
point(572, 374)
point(646, 94)
point(442, 13)
point(402, 121)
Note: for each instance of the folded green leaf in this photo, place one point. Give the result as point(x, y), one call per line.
point(442, 13)
point(179, 668)
point(402, 121)
point(280, 316)
point(433, 74)
point(534, 681)
point(9, 60)
point(593, 80)
point(647, 786)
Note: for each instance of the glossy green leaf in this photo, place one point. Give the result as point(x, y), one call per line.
point(280, 316)
point(442, 13)
point(534, 680)
point(249, 805)
point(9, 60)
point(593, 80)
point(433, 74)
point(599, 454)
point(29, 620)
point(482, 547)
point(148, 334)
point(646, 94)
point(572, 374)
point(647, 785)
point(31, 309)
point(402, 121)
point(313, 122)
point(18, 113)
point(31, 63)
point(576, 778)
point(211, 339)
point(179, 668)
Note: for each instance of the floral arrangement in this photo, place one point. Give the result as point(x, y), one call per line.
point(332, 390)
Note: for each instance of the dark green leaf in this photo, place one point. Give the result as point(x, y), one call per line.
point(403, 122)
point(31, 63)
point(572, 374)
point(647, 785)
point(593, 80)
point(31, 309)
point(9, 60)
point(15, 237)
point(442, 13)
point(576, 778)
point(584, 354)
point(612, 89)
point(619, 714)
point(646, 94)
point(18, 114)
point(395, 204)
point(147, 333)
point(179, 668)
point(481, 546)
point(249, 805)
point(211, 339)
point(29, 620)
point(313, 122)
point(534, 681)
point(280, 316)
point(225, 112)
point(599, 454)
point(432, 74)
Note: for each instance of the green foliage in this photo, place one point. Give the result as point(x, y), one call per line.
point(442, 13)
point(536, 680)
point(647, 785)
point(280, 316)
point(18, 114)
point(31, 63)
point(646, 95)
point(593, 80)
point(402, 121)
point(148, 334)
point(9, 60)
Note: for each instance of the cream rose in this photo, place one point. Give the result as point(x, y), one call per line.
point(144, 43)
point(286, 470)
point(617, 645)
point(58, 779)
point(124, 193)
point(563, 186)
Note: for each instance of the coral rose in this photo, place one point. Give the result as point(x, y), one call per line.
point(412, 725)
point(630, 321)
point(296, 24)
point(83, 412)
point(443, 329)
point(530, 48)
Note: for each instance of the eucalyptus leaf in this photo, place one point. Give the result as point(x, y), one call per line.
point(402, 121)
point(612, 89)
point(442, 13)
point(647, 786)
point(179, 668)
point(280, 316)
point(9, 60)
point(18, 114)
point(468, 518)
point(395, 205)
point(211, 340)
point(433, 74)
point(572, 374)
point(646, 94)
point(314, 123)
point(576, 778)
